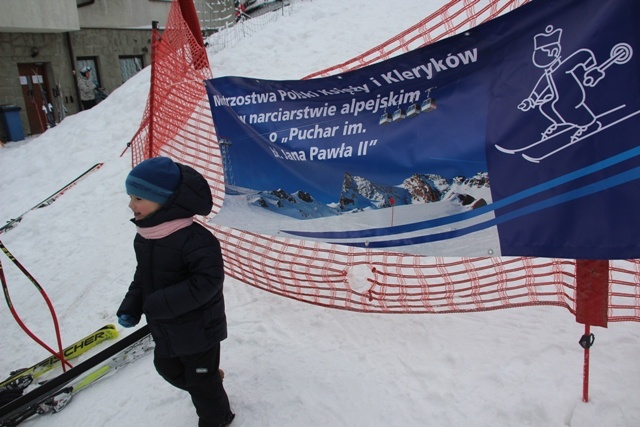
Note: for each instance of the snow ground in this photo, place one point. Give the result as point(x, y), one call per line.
point(287, 363)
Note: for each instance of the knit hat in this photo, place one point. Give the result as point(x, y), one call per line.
point(154, 179)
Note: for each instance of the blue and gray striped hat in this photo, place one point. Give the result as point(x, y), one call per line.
point(154, 179)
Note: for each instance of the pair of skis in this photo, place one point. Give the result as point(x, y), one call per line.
point(549, 145)
point(78, 348)
point(47, 107)
point(55, 394)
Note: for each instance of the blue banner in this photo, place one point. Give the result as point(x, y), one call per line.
point(517, 137)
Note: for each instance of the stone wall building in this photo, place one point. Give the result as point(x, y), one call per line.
point(44, 44)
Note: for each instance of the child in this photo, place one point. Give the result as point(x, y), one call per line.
point(178, 282)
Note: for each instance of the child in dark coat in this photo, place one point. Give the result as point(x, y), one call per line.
point(178, 282)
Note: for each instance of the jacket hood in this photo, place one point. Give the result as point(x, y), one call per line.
point(192, 197)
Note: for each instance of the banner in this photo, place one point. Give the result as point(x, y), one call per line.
point(518, 137)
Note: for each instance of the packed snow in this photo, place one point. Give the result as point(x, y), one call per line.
point(287, 363)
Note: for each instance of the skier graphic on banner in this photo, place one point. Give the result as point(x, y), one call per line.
point(560, 92)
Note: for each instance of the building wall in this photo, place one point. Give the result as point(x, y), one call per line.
point(38, 15)
point(55, 51)
point(52, 41)
point(108, 45)
point(123, 13)
point(19, 48)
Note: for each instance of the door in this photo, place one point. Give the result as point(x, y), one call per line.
point(36, 94)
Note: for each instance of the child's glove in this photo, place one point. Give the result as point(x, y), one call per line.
point(127, 320)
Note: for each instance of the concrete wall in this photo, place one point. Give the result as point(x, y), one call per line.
point(16, 48)
point(108, 45)
point(38, 15)
point(123, 13)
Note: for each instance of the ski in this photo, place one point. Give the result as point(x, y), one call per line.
point(62, 110)
point(35, 104)
point(61, 399)
point(129, 355)
point(538, 155)
point(563, 128)
point(52, 198)
point(20, 377)
point(54, 395)
point(47, 108)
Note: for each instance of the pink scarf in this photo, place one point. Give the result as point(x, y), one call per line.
point(163, 230)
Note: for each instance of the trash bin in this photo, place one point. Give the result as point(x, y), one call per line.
point(10, 116)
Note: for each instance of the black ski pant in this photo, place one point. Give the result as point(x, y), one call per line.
point(87, 105)
point(198, 375)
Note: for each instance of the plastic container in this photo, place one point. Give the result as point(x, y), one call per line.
point(10, 117)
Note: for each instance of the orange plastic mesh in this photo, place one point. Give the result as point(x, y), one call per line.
point(177, 123)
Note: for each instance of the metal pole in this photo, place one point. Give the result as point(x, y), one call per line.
point(586, 342)
point(592, 302)
point(154, 46)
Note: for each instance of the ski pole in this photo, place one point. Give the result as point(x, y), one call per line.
point(60, 353)
point(46, 202)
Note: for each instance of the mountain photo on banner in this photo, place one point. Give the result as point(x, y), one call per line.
point(452, 142)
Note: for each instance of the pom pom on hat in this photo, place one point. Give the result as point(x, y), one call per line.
point(154, 179)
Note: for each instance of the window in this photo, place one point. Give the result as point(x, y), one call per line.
point(129, 66)
point(89, 61)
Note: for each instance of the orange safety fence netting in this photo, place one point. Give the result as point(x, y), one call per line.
point(177, 123)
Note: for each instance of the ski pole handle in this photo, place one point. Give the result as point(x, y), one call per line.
point(620, 54)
